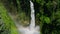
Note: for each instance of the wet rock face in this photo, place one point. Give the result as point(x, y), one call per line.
point(25, 6)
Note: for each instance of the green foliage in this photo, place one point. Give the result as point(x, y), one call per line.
point(49, 15)
point(38, 1)
point(9, 24)
point(47, 20)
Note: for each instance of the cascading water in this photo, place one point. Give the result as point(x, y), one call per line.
point(31, 29)
point(32, 25)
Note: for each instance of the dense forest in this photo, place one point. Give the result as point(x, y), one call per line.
point(47, 15)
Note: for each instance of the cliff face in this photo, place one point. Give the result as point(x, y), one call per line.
point(47, 14)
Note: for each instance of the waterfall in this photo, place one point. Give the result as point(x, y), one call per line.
point(32, 24)
point(31, 29)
